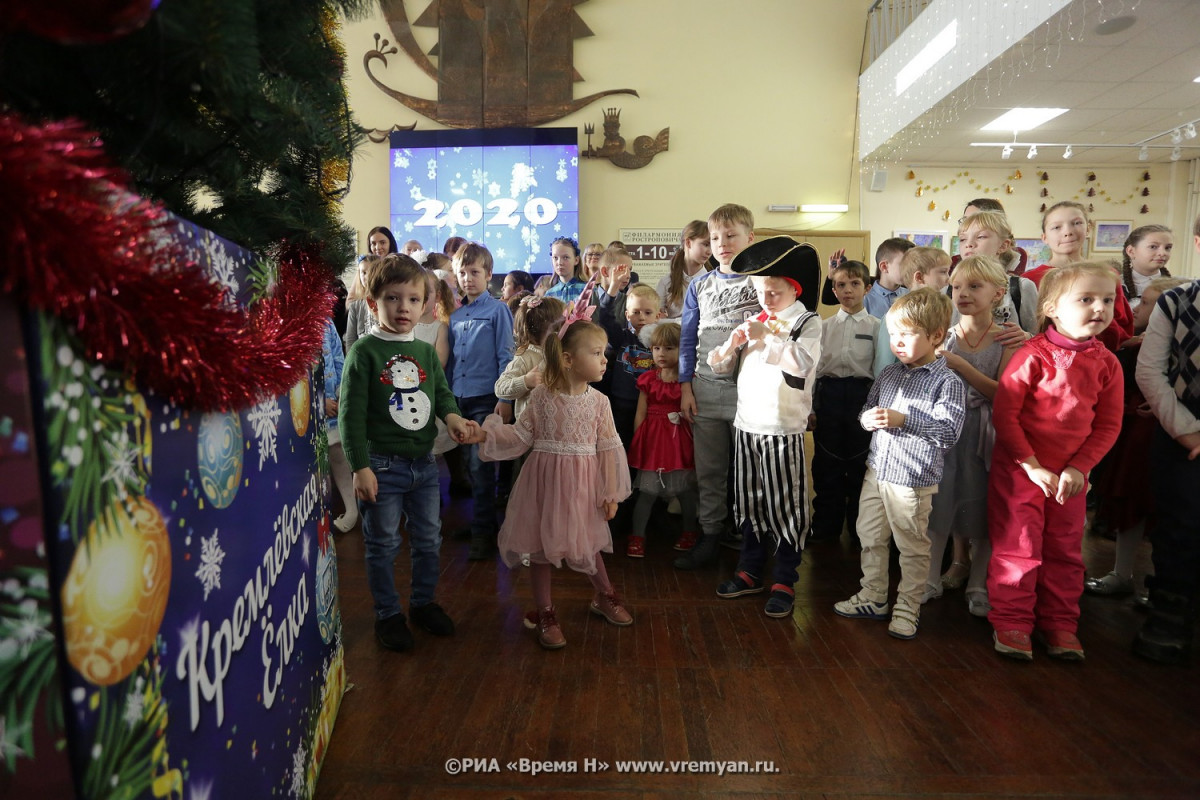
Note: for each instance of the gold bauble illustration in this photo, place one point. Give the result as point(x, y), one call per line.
point(300, 407)
point(115, 593)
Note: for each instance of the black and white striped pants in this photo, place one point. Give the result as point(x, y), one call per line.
point(770, 488)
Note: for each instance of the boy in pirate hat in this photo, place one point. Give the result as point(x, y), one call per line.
point(778, 352)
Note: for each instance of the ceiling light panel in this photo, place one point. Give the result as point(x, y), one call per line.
point(1023, 119)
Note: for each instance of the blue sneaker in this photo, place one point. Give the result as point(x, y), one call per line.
point(779, 604)
point(861, 607)
point(741, 583)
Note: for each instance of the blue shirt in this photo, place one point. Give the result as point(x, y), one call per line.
point(335, 359)
point(880, 299)
point(481, 345)
point(566, 291)
point(933, 401)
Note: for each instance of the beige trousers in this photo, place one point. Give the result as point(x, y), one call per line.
point(887, 511)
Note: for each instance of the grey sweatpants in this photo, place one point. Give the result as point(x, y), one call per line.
point(712, 433)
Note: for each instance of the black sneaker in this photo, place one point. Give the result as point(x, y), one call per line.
point(393, 633)
point(432, 619)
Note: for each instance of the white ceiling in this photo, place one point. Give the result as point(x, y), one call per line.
point(1120, 88)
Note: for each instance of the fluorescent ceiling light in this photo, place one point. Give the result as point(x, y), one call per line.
point(1023, 119)
point(930, 54)
point(1196, 79)
point(824, 208)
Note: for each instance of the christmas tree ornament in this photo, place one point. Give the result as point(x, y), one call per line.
point(1091, 192)
point(1145, 209)
point(1043, 208)
point(1091, 176)
point(920, 191)
point(298, 399)
point(219, 454)
point(1008, 189)
point(115, 593)
point(946, 214)
point(1145, 176)
point(932, 205)
point(1146, 192)
point(1045, 177)
point(1045, 192)
point(910, 175)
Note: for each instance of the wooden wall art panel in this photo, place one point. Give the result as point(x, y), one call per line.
point(500, 63)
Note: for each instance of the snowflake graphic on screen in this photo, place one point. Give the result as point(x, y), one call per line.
point(574, 161)
point(501, 254)
point(431, 165)
point(299, 772)
point(523, 180)
point(408, 227)
point(264, 417)
point(211, 556)
point(408, 180)
point(479, 178)
point(493, 189)
point(557, 227)
point(401, 160)
point(560, 174)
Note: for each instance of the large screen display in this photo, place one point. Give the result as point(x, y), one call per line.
point(512, 189)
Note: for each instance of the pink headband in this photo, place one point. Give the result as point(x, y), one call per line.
point(579, 309)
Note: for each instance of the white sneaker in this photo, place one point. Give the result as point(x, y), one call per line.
point(861, 607)
point(977, 602)
point(905, 618)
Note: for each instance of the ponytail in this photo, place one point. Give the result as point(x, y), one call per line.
point(554, 374)
point(693, 230)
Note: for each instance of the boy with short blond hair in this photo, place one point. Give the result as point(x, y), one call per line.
point(392, 389)
point(623, 312)
point(916, 410)
point(715, 303)
point(922, 267)
point(481, 344)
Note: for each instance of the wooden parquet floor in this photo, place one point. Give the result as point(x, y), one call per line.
point(836, 707)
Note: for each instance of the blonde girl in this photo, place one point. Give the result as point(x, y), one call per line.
point(359, 319)
point(662, 449)
point(690, 260)
point(566, 281)
point(534, 320)
point(1147, 251)
point(1036, 506)
point(987, 233)
point(975, 351)
point(591, 259)
point(571, 482)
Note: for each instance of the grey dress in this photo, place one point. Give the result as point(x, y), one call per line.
point(960, 506)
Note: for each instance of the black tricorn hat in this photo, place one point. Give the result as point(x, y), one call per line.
point(783, 257)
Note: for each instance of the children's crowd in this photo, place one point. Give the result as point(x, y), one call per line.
point(960, 411)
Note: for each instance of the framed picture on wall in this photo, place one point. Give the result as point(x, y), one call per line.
point(1111, 236)
point(954, 245)
point(937, 239)
point(1039, 251)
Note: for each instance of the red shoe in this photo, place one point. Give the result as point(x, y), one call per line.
point(687, 540)
point(636, 548)
point(1014, 644)
point(1062, 645)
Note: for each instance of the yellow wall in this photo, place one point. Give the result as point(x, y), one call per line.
point(1118, 197)
point(759, 95)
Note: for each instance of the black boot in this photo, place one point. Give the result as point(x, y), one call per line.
point(483, 546)
point(704, 554)
point(1167, 635)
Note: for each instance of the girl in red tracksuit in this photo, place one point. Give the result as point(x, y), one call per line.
point(1057, 411)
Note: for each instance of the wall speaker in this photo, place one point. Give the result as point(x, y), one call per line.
point(878, 180)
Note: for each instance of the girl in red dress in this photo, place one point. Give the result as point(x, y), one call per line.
point(662, 450)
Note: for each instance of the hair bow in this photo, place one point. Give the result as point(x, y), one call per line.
point(579, 309)
point(533, 301)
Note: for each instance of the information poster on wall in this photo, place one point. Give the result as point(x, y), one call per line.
point(195, 572)
point(652, 250)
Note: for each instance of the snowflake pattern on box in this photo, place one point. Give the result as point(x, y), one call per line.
point(264, 418)
point(211, 556)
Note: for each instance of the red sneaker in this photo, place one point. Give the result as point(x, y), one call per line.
point(1063, 645)
point(687, 540)
point(636, 547)
point(1014, 644)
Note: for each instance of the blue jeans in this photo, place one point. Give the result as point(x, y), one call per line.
point(483, 473)
point(409, 492)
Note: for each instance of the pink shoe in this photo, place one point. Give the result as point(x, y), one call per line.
point(1014, 644)
point(636, 547)
point(608, 605)
point(545, 622)
point(1062, 645)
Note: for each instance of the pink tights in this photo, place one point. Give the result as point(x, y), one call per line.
point(540, 578)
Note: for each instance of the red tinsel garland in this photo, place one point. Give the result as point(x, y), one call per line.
point(69, 246)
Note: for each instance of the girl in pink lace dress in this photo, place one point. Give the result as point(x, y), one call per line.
point(572, 481)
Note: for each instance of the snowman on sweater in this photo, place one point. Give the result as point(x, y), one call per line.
point(408, 405)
